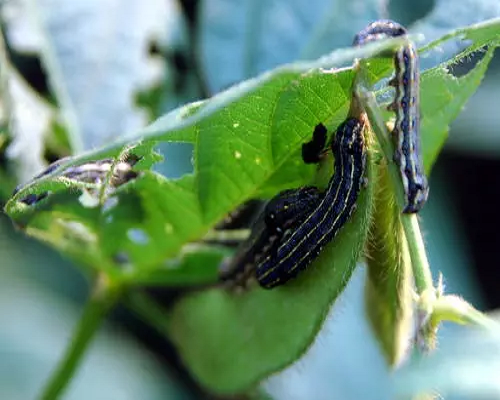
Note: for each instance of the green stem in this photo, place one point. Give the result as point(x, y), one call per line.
point(431, 299)
point(419, 262)
point(454, 308)
point(102, 299)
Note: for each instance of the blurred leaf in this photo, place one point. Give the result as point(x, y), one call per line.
point(96, 64)
point(344, 348)
point(115, 367)
point(240, 39)
point(56, 140)
point(466, 365)
point(25, 119)
point(181, 82)
point(389, 287)
point(247, 336)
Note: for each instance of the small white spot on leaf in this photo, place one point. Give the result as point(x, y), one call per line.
point(138, 236)
point(169, 229)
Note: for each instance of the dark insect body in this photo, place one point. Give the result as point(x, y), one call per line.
point(287, 210)
point(242, 216)
point(297, 249)
point(406, 105)
point(311, 151)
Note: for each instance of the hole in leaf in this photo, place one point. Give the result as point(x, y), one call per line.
point(138, 236)
point(109, 204)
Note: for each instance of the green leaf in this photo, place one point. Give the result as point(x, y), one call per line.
point(231, 341)
point(442, 98)
point(96, 67)
point(243, 38)
point(483, 31)
point(247, 143)
point(21, 135)
point(224, 154)
point(389, 286)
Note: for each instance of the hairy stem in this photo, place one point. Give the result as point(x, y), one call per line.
point(420, 264)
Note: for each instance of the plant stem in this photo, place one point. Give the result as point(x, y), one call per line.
point(454, 308)
point(431, 299)
point(419, 262)
point(101, 300)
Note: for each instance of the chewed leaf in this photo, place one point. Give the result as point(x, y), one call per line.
point(247, 144)
point(261, 134)
point(442, 98)
point(242, 149)
point(438, 25)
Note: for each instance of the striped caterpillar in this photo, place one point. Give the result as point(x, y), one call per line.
point(302, 245)
point(287, 210)
point(406, 105)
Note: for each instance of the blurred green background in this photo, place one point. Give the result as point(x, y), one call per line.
point(123, 64)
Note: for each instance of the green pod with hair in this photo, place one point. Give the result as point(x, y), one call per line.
point(389, 283)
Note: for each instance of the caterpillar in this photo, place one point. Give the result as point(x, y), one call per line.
point(303, 243)
point(281, 214)
point(406, 105)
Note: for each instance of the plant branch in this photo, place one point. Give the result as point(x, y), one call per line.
point(420, 264)
point(432, 301)
point(101, 300)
